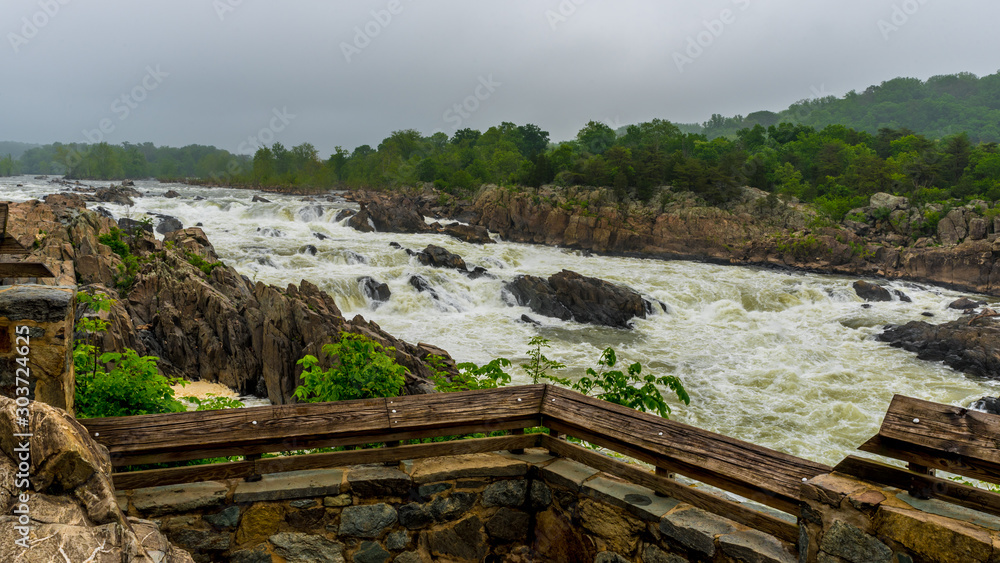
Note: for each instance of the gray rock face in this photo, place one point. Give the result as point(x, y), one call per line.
point(974, 350)
point(305, 548)
point(444, 509)
point(366, 521)
point(44, 304)
point(378, 481)
point(754, 546)
point(374, 289)
point(848, 542)
point(371, 552)
point(978, 228)
point(509, 525)
point(464, 540)
point(871, 292)
point(438, 257)
point(888, 201)
point(568, 295)
point(505, 493)
point(540, 495)
point(695, 529)
point(168, 224)
point(952, 227)
point(228, 518)
point(414, 516)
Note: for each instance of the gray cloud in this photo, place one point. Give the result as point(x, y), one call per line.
point(555, 63)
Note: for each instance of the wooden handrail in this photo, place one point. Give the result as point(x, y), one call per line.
point(767, 476)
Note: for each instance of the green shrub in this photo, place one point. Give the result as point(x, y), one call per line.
point(214, 403)
point(124, 277)
point(131, 387)
point(538, 365)
point(470, 375)
point(630, 388)
point(202, 264)
point(361, 370)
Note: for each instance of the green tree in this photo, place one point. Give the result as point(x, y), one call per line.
point(361, 369)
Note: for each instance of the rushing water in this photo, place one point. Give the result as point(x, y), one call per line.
point(786, 360)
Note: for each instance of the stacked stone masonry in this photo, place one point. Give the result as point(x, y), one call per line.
point(481, 507)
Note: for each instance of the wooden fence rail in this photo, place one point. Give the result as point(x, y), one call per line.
point(763, 475)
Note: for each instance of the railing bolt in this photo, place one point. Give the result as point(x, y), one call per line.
point(96, 434)
point(255, 422)
point(916, 421)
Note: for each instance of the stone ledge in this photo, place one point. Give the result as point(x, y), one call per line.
point(153, 501)
point(695, 529)
point(291, 485)
point(634, 499)
point(751, 545)
point(448, 468)
point(568, 473)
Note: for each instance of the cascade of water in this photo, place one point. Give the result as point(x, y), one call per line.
point(781, 359)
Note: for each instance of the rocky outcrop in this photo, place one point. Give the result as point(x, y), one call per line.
point(389, 215)
point(71, 507)
point(475, 234)
point(874, 292)
point(219, 327)
point(970, 347)
point(570, 296)
point(438, 257)
point(374, 289)
point(116, 194)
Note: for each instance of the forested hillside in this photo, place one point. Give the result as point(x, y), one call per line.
point(941, 106)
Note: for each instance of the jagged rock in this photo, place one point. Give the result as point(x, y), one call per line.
point(343, 214)
point(355, 258)
point(308, 249)
point(269, 232)
point(73, 507)
point(258, 199)
point(952, 227)
point(421, 284)
point(168, 224)
point(978, 228)
point(568, 295)
point(987, 404)
point(388, 214)
point(171, 194)
point(474, 234)
point(374, 289)
point(131, 225)
point(116, 194)
point(361, 221)
point(974, 349)
point(320, 236)
point(888, 201)
point(438, 257)
point(964, 304)
point(871, 292)
point(100, 211)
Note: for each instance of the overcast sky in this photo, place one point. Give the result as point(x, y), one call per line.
point(231, 73)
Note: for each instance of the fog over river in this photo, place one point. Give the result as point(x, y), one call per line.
point(786, 360)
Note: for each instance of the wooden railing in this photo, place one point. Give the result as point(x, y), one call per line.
point(763, 475)
point(931, 436)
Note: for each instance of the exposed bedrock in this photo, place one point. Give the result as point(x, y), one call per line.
point(570, 296)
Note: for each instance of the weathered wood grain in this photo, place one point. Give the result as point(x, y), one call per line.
point(764, 475)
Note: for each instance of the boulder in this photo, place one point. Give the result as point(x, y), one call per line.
point(131, 225)
point(374, 289)
point(475, 234)
point(361, 221)
point(73, 510)
point(116, 194)
point(987, 404)
point(568, 295)
point(871, 292)
point(965, 304)
point(952, 227)
point(978, 228)
point(973, 349)
point(258, 199)
point(171, 194)
point(888, 201)
point(438, 257)
point(167, 224)
point(388, 214)
point(343, 214)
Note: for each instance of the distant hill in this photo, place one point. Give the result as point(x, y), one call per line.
point(938, 107)
point(14, 149)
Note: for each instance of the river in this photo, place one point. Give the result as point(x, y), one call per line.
point(786, 360)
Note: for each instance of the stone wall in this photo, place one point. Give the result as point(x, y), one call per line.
point(847, 520)
point(48, 312)
point(480, 507)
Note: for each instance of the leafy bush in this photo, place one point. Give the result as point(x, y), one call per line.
point(131, 387)
point(631, 388)
point(470, 375)
point(214, 403)
point(538, 365)
point(124, 278)
point(361, 370)
point(202, 264)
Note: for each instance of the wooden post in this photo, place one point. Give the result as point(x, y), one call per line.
point(917, 488)
point(661, 472)
point(517, 432)
point(555, 436)
point(256, 473)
